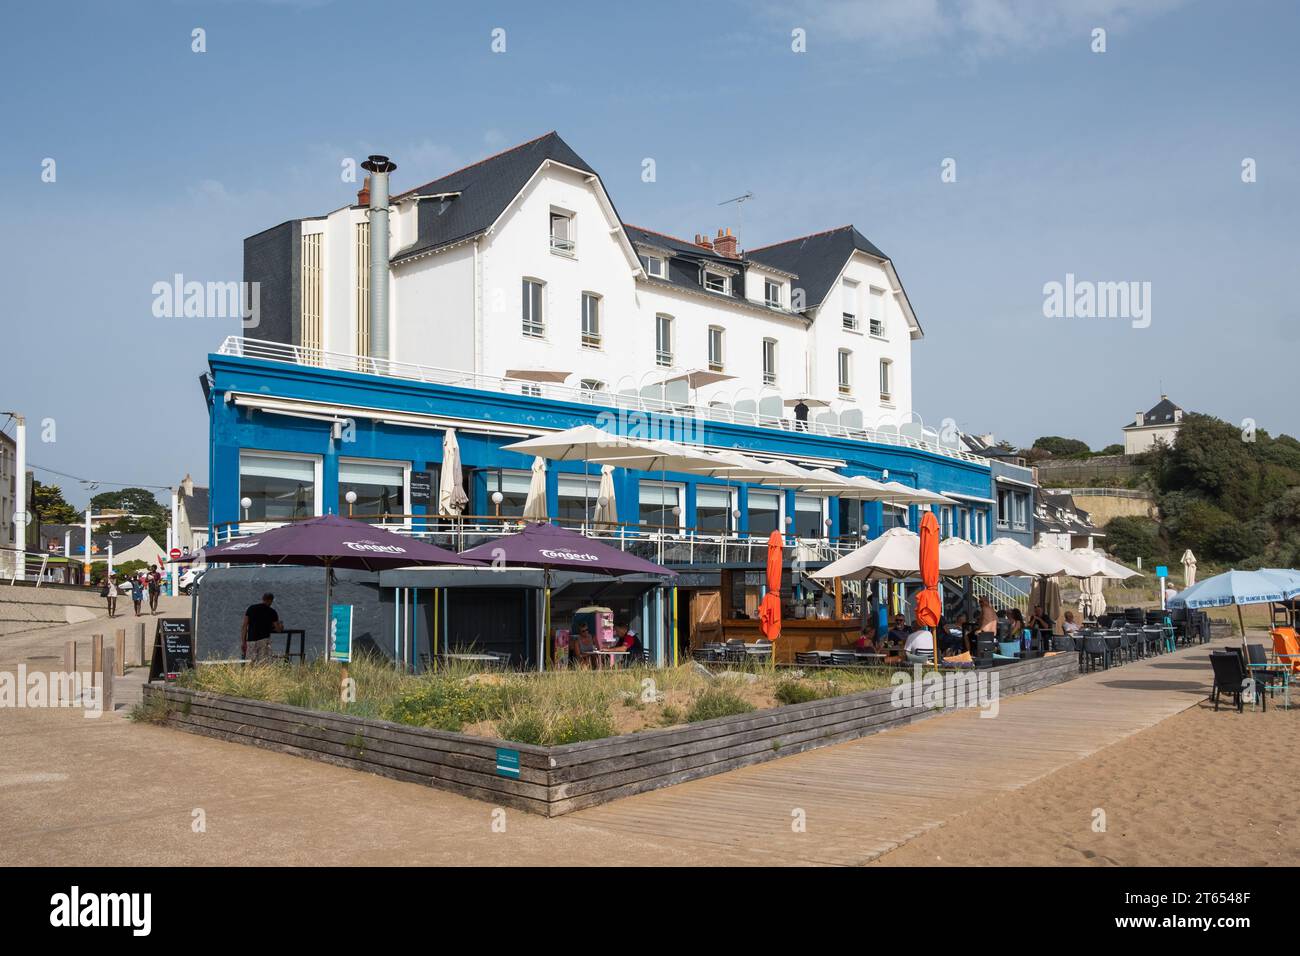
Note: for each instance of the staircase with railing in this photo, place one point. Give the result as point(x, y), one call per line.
point(1002, 593)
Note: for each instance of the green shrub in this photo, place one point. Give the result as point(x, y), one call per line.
point(795, 692)
point(529, 724)
point(717, 702)
point(670, 715)
point(569, 728)
point(446, 704)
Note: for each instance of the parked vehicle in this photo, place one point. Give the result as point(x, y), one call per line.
point(190, 578)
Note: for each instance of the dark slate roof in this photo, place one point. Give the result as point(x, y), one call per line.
point(121, 542)
point(817, 259)
point(1162, 413)
point(485, 188)
point(1056, 512)
point(196, 507)
point(980, 447)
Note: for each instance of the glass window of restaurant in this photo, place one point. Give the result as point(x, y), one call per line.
point(764, 512)
point(380, 487)
point(281, 487)
point(577, 498)
point(513, 486)
point(893, 516)
point(657, 501)
point(713, 509)
point(809, 516)
point(851, 518)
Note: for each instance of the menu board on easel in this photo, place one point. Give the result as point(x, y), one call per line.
point(173, 648)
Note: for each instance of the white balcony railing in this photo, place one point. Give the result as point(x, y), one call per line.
point(339, 361)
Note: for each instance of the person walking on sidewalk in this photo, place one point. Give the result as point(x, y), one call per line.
point(155, 587)
point(137, 594)
point(108, 591)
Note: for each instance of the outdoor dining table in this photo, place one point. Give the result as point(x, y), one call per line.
point(490, 658)
point(610, 655)
point(289, 634)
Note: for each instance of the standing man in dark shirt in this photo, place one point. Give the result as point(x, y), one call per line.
point(255, 636)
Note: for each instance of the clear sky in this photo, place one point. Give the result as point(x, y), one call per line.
point(1120, 166)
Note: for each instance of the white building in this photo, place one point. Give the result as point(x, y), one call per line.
point(8, 497)
point(519, 266)
point(1160, 424)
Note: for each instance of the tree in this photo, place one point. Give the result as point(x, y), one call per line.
point(138, 501)
point(49, 505)
point(1132, 537)
point(1115, 449)
point(1062, 447)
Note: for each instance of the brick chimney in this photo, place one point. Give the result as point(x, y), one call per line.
point(725, 244)
point(363, 194)
point(703, 241)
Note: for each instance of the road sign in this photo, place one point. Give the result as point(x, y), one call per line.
point(175, 553)
point(341, 633)
point(1162, 571)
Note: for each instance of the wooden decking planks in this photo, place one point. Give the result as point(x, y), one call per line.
point(863, 798)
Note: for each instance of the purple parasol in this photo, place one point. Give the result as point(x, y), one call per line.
point(548, 546)
point(332, 542)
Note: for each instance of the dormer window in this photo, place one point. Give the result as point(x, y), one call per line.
point(655, 266)
point(772, 294)
point(562, 233)
point(717, 282)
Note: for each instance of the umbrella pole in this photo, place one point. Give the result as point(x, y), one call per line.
point(544, 651)
point(1242, 622)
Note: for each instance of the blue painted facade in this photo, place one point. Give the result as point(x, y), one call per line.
point(234, 429)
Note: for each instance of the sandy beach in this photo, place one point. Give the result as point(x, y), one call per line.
point(1199, 789)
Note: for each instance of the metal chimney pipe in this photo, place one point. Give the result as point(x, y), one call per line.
point(379, 167)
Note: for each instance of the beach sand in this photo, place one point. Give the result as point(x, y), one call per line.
point(1199, 789)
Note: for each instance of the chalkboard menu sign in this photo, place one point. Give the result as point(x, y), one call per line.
point(421, 488)
point(173, 648)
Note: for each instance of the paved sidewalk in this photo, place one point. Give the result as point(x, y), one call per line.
point(82, 791)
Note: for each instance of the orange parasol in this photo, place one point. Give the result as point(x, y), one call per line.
point(928, 604)
point(769, 611)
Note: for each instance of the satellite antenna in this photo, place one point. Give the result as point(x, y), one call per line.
point(740, 209)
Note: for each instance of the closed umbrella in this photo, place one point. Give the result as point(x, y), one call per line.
point(1189, 568)
point(769, 610)
point(535, 503)
point(929, 606)
point(606, 506)
point(451, 492)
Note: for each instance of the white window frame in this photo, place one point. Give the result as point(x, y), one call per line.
point(721, 277)
point(406, 480)
point(1004, 514)
point(664, 330)
point(887, 380)
point(655, 266)
point(318, 472)
point(566, 246)
point(849, 306)
point(718, 362)
point(591, 338)
point(769, 300)
point(667, 486)
point(876, 323)
point(770, 376)
point(844, 371)
point(531, 326)
point(823, 529)
point(780, 506)
point(731, 494)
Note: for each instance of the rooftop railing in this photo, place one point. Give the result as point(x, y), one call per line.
point(658, 399)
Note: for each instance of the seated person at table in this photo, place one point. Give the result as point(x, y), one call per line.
point(898, 632)
point(626, 640)
point(1038, 620)
point(1017, 631)
point(584, 645)
point(867, 639)
point(952, 635)
point(1071, 626)
point(920, 644)
point(988, 618)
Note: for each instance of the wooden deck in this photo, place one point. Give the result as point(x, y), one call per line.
point(863, 798)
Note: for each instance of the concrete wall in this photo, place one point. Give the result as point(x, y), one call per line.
point(1066, 472)
point(1103, 504)
point(32, 608)
point(225, 593)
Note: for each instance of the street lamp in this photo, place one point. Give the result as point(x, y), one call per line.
point(351, 499)
point(497, 498)
point(246, 503)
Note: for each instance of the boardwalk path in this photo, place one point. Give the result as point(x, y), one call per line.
point(864, 798)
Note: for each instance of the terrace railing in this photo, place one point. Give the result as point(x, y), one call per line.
point(662, 545)
point(627, 401)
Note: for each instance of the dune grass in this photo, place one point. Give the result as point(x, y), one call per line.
point(556, 707)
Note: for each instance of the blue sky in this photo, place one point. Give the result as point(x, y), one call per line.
point(1115, 166)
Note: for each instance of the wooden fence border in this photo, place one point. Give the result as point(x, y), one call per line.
point(556, 780)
